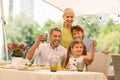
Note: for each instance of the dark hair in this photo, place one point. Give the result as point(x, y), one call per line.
point(77, 28)
point(69, 52)
point(54, 29)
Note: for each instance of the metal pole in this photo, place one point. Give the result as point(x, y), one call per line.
point(4, 32)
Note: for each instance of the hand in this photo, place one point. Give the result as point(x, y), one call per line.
point(94, 44)
point(106, 52)
point(41, 38)
point(88, 62)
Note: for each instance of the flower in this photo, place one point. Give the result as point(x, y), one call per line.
point(17, 50)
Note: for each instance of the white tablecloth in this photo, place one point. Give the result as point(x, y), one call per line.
point(12, 74)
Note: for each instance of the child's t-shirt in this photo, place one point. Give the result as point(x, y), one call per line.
point(73, 63)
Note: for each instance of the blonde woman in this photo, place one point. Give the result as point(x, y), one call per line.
point(68, 17)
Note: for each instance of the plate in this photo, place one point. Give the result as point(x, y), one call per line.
point(7, 67)
point(3, 63)
point(26, 68)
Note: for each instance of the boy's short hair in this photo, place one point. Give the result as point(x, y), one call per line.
point(77, 28)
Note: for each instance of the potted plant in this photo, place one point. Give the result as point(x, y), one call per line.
point(17, 52)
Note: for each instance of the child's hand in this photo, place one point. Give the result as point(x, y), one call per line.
point(88, 62)
point(94, 44)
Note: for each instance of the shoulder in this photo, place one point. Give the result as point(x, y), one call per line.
point(81, 58)
point(43, 45)
point(61, 47)
point(62, 50)
point(71, 59)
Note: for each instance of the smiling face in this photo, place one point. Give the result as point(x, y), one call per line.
point(55, 39)
point(77, 35)
point(68, 16)
point(77, 49)
point(77, 32)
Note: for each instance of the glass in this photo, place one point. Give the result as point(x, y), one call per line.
point(54, 61)
point(80, 66)
point(53, 66)
point(45, 36)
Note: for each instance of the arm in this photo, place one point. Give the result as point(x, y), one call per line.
point(32, 50)
point(90, 56)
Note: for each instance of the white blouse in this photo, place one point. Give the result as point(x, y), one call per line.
point(73, 63)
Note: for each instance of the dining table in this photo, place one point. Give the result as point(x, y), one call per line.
point(46, 74)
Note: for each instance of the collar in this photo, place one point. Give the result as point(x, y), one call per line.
point(52, 48)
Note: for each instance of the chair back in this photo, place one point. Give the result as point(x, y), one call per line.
point(116, 64)
point(100, 63)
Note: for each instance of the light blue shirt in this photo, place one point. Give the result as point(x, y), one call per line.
point(88, 43)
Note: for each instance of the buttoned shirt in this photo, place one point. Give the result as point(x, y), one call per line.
point(44, 50)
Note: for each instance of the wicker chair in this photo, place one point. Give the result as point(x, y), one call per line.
point(101, 63)
point(116, 64)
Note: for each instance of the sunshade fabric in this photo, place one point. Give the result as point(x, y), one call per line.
point(87, 7)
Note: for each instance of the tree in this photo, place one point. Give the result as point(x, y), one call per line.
point(50, 24)
point(47, 26)
point(22, 29)
point(91, 25)
point(109, 37)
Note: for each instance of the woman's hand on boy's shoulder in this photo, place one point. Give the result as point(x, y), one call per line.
point(106, 52)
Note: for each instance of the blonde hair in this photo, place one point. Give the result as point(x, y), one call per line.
point(67, 10)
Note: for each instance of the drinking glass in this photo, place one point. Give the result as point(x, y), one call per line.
point(53, 66)
point(45, 36)
point(80, 66)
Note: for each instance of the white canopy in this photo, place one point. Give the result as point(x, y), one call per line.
point(88, 7)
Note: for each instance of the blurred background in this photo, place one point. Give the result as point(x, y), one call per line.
point(26, 19)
